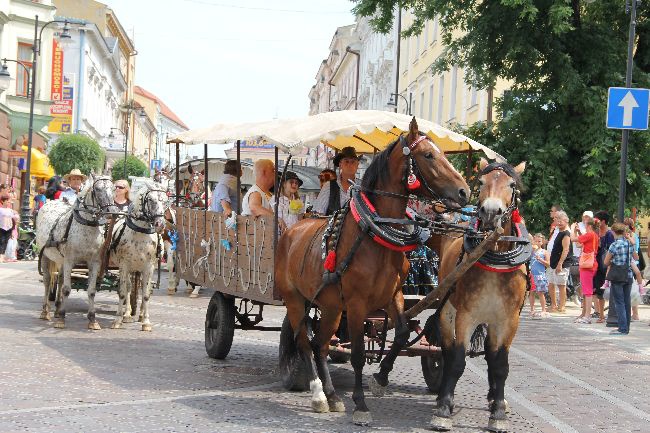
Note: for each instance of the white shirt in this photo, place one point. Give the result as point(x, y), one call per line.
point(246, 208)
point(551, 241)
point(323, 199)
point(577, 249)
point(285, 213)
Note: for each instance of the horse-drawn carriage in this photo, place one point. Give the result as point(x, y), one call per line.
point(249, 267)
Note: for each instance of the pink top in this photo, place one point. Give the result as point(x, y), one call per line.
point(7, 217)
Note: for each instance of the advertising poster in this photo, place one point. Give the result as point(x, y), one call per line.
point(62, 95)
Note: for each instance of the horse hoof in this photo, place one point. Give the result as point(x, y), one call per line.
point(127, 319)
point(194, 295)
point(320, 406)
point(94, 326)
point(46, 316)
point(361, 418)
point(336, 404)
point(116, 325)
point(376, 388)
point(171, 292)
point(147, 327)
point(189, 290)
point(505, 402)
point(439, 423)
point(59, 324)
point(498, 425)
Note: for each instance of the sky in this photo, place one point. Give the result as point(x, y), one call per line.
point(231, 60)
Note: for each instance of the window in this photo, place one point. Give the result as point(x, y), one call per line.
point(22, 77)
point(417, 47)
point(431, 102)
point(408, 53)
point(441, 98)
point(474, 97)
point(422, 105)
point(426, 35)
point(434, 36)
point(452, 92)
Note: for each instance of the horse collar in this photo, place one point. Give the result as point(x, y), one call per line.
point(369, 221)
point(76, 213)
point(506, 261)
point(133, 226)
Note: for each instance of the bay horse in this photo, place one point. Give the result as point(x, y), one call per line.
point(69, 235)
point(373, 279)
point(136, 247)
point(485, 294)
point(196, 188)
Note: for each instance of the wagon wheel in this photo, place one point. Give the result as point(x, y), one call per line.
point(432, 372)
point(292, 368)
point(219, 326)
point(342, 334)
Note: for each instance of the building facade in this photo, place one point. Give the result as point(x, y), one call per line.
point(17, 20)
point(167, 125)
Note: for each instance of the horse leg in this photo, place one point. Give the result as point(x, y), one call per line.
point(130, 286)
point(172, 281)
point(295, 304)
point(453, 354)
point(63, 293)
point(93, 271)
point(329, 323)
point(496, 355)
point(356, 317)
point(122, 298)
point(48, 268)
point(379, 381)
point(145, 282)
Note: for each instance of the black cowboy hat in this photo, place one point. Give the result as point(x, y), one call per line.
point(291, 175)
point(346, 152)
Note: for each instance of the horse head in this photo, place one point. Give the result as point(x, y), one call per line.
point(150, 204)
point(98, 192)
point(429, 172)
point(500, 184)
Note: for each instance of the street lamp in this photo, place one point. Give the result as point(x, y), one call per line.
point(393, 101)
point(128, 109)
point(5, 76)
point(64, 38)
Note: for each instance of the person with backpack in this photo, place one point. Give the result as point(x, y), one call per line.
point(336, 193)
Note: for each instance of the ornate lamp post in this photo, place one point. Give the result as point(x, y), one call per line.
point(63, 38)
point(393, 101)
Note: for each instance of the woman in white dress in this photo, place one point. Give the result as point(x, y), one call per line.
point(291, 208)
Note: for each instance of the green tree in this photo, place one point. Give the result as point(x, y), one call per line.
point(76, 151)
point(134, 167)
point(560, 57)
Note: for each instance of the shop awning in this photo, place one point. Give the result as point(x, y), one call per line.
point(40, 164)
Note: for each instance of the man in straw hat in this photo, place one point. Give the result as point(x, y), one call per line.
point(74, 181)
point(336, 192)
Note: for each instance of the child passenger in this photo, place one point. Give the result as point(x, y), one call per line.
point(539, 261)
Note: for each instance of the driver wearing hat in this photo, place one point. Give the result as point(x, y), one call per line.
point(74, 180)
point(335, 193)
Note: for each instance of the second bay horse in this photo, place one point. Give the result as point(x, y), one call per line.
point(373, 279)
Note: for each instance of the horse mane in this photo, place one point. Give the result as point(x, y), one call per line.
point(377, 168)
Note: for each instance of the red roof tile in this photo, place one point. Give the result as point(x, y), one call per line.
point(164, 109)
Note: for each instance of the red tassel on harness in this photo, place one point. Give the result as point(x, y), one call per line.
point(413, 182)
point(516, 218)
point(330, 261)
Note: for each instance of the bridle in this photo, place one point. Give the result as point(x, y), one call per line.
point(95, 209)
point(145, 214)
point(515, 199)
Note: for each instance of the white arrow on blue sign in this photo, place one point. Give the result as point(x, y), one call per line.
point(627, 108)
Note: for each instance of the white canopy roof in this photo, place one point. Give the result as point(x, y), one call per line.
point(366, 130)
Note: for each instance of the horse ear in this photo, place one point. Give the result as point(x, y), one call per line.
point(521, 167)
point(190, 169)
point(483, 163)
point(413, 131)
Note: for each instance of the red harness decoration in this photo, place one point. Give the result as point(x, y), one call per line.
point(375, 237)
point(488, 268)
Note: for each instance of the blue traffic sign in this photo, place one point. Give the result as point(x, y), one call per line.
point(156, 164)
point(627, 108)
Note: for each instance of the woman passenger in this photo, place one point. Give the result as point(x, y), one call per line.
point(291, 207)
point(122, 200)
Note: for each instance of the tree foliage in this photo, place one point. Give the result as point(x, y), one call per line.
point(72, 151)
point(559, 57)
point(134, 167)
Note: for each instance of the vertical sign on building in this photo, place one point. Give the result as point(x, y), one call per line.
point(61, 95)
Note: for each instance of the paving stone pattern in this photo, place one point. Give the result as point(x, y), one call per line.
point(563, 377)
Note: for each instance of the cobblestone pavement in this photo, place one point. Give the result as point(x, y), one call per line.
point(563, 377)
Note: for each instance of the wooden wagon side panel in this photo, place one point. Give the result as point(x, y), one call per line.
point(190, 224)
point(221, 269)
point(255, 257)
